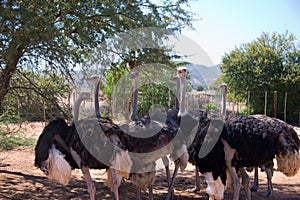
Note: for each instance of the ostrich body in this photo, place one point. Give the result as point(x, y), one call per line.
point(245, 141)
point(288, 132)
point(253, 141)
point(60, 143)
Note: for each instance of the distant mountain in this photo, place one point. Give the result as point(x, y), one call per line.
point(203, 75)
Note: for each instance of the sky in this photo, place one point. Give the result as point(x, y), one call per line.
point(226, 24)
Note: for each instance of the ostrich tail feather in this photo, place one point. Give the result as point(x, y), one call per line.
point(289, 163)
point(59, 168)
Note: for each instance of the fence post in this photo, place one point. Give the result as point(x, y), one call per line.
point(233, 102)
point(248, 102)
point(285, 102)
point(266, 102)
point(275, 104)
point(44, 112)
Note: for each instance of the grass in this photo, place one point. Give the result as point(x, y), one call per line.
point(14, 140)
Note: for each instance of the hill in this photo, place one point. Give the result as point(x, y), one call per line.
point(203, 75)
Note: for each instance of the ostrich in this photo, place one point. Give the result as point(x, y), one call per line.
point(60, 148)
point(268, 168)
point(159, 142)
point(250, 141)
point(245, 141)
point(224, 89)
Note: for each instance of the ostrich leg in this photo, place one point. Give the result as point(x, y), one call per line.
point(245, 182)
point(150, 192)
point(255, 183)
point(138, 193)
point(171, 187)
point(166, 164)
point(269, 172)
point(115, 184)
point(197, 181)
point(86, 174)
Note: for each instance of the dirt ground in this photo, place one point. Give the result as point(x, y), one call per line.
point(19, 179)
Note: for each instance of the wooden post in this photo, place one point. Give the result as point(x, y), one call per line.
point(44, 112)
point(275, 104)
point(19, 106)
point(266, 102)
point(285, 102)
point(248, 102)
point(169, 99)
point(233, 101)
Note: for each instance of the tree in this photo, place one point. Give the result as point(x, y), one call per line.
point(269, 63)
point(61, 33)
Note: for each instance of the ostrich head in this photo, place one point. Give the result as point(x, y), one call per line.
point(181, 72)
point(223, 87)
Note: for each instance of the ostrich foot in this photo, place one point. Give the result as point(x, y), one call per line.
point(254, 188)
point(267, 193)
point(194, 189)
point(134, 117)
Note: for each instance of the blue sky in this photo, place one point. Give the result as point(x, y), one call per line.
point(226, 24)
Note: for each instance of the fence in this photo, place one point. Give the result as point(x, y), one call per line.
point(271, 103)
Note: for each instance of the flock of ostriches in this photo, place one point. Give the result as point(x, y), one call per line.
point(220, 146)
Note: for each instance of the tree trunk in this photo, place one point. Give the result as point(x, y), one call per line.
point(11, 58)
point(5, 76)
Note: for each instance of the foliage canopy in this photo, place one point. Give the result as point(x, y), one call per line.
point(54, 36)
point(269, 63)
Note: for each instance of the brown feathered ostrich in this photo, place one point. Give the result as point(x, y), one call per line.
point(61, 147)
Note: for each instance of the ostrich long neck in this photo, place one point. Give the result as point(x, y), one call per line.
point(177, 92)
point(97, 108)
point(77, 106)
point(224, 103)
point(135, 97)
point(224, 96)
point(181, 92)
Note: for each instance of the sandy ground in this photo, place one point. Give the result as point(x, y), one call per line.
point(19, 179)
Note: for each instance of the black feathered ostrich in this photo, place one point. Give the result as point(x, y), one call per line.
point(245, 141)
point(203, 114)
point(288, 132)
point(60, 148)
point(252, 141)
point(161, 143)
